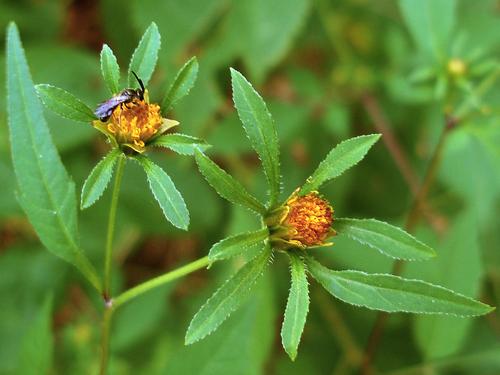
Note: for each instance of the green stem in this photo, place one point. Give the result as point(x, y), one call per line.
point(106, 323)
point(113, 304)
point(111, 228)
point(160, 280)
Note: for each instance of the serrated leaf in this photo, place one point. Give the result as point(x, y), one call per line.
point(235, 245)
point(110, 69)
point(297, 307)
point(183, 83)
point(430, 23)
point(260, 129)
point(388, 239)
point(98, 179)
point(181, 143)
point(46, 193)
point(38, 344)
point(227, 298)
point(393, 293)
point(250, 330)
point(64, 104)
point(342, 157)
point(144, 58)
point(165, 192)
point(225, 185)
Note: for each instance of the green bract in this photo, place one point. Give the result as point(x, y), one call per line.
point(377, 291)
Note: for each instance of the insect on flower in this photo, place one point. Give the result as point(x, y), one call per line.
point(105, 109)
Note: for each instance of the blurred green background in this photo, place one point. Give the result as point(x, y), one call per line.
point(328, 70)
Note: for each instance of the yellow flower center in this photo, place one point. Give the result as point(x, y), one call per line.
point(135, 122)
point(456, 67)
point(309, 219)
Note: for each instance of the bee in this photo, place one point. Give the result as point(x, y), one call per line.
point(105, 109)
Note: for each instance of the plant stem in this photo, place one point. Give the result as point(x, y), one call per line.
point(160, 280)
point(108, 312)
point(413, 217)
point(430, 175)
point(111, 228)
point(383, 126)
point(112, 304)
point(106, 323)
point(381, 123)
point(352, 354)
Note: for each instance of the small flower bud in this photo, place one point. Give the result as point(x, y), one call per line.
point(305, 222)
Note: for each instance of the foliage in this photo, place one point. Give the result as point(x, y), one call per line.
point(314, 86)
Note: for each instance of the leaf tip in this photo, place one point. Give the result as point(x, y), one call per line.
point(12, 27)
point(153, 26)
point(235, 74)
point(292, 353)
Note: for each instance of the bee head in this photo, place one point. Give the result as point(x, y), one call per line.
point(140, 91)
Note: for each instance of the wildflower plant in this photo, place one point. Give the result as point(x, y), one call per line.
point(298, 226)
point(302, 222)
point(46, 192)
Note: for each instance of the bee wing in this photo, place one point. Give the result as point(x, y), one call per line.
point(105, 109)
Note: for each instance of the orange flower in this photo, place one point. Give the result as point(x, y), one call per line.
point(135, 123)
point(304, 221)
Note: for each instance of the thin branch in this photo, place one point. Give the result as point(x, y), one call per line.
point(340, 330)
point(384, 127)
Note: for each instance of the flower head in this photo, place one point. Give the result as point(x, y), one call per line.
point(456, 67)
point(304, 221)
point(134, 124)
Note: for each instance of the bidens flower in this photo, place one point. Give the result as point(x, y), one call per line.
point(134, 124)
point(303, 221)
point(456, 67)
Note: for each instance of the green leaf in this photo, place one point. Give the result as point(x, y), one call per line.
point(170, 200)
point(183, 83)
point(387, 239)
point(144, 58)
point(98, 179)
point(342, 157)
point(181, 143)
point(260, 129)
point(297, 307)
point(393, 293)
point(251, 330)
point(65, 104)
point(227, 298)
point(235, 245)
point(110, 69)
point(224, 184)
point(430, 23)
point(45, 191)
point(38, 344)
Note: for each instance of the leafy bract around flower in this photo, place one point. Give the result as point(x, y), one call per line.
point(302, 222)
point(133, 124)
